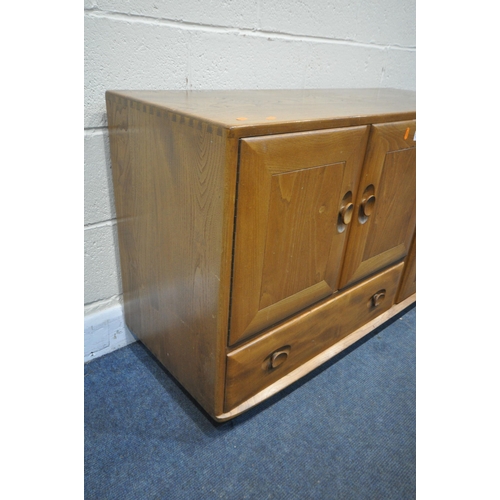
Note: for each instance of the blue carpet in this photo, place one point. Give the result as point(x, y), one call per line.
point(346, 431)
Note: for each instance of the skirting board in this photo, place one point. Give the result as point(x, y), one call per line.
point(105, 331)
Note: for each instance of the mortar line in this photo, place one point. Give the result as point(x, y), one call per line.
point(257, 33)
point(97, 225)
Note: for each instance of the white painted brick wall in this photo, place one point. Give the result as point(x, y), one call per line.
point(132, 54)
point(227, 13)
point(209, 44)
point(98, 188)
point(386, 22)
point(102, 273)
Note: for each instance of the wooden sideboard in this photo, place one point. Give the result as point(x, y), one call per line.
point(261, 232)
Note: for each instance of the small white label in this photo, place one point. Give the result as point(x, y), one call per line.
point(415, 136)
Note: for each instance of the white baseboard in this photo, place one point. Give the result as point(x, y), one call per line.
point(105, 331)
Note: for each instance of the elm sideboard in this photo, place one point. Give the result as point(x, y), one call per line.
point(261, 232)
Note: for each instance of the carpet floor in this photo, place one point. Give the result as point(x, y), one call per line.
point(346, 431)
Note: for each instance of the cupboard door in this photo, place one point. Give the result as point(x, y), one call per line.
point(294, 206)
point(384, 223)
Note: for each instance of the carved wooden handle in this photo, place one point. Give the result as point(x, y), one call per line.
point(378, 298)
point(346, 213)
point(367, 205)
point(278, 358)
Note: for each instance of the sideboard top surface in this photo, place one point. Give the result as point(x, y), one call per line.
point(245, 110)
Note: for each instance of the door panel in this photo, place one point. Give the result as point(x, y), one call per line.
point(298, 231)
point(290, 237)
point(382, 231)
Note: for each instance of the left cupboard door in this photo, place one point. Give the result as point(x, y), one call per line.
point(294, 206)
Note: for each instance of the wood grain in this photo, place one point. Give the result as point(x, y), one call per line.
point(409, 280)
point(288, 246)
point(171, 190)
point(306, 335)
point(234, 228)
point(316, 361)
point(389, 174)
point(293, 110)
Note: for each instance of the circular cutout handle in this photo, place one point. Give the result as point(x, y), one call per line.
point(367, 205)
point(278, 358)
point(378, 298)
point(346, 213)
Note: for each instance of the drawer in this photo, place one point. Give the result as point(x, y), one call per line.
point(264, 360)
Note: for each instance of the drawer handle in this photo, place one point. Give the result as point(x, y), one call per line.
point(276, 359)
point(378, 298)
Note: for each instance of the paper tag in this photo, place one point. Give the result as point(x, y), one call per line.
point(415, 136)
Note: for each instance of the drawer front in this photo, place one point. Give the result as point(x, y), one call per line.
point(258, 364)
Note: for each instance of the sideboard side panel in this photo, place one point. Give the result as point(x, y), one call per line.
point(170, 187)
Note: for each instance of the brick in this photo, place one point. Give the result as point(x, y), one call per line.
point(231, 60)
point(400, 70)
point(123, 54)
point(391, 22)
point(230, 13)
point(98, 190)
point(102, 278)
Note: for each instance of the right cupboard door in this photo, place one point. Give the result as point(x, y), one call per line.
point(384, 222)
